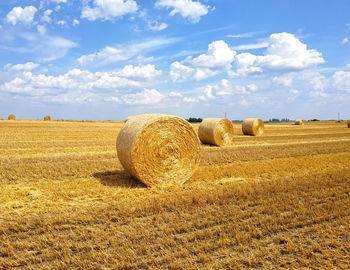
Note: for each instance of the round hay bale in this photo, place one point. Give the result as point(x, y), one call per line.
point(159, 149)
point(299, 122)
point(47, 118)
point(253, 126)
point(216, 131)
point(12, 117)
point(349, 123)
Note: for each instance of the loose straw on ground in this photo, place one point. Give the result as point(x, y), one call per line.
point(216, 131)
point(12, 117)
point(158, 149)
point(253, 126)
point(299, 122)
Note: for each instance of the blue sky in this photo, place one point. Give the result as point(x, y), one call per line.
point(107, 59)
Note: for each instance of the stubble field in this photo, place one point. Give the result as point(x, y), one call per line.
point(277, 201)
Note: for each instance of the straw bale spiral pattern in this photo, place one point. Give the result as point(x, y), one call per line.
point(158, 149)
point(299, 122)
point(253, 126)
point(216, 131)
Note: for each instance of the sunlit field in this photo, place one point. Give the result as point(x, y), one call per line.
point(277, 201)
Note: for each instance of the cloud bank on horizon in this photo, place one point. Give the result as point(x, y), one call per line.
point(106, 59)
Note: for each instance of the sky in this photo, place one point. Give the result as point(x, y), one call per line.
point(108, 59)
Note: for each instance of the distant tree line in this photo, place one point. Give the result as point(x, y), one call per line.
point(276, 120)
point(194, 120)
point(272, 120)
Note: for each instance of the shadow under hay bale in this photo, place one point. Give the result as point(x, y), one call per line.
point(118, 179)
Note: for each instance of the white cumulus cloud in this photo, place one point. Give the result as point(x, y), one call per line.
point(190, 99)
point(178, 70)
point(175, 94)
point(75, 22)
point(225, 88)
point(61, 22)
point(108, 9)
point(41, 29)
point(217, 59)
point(318, 81)
point(114, 99)
point(341, 80)
point(147, 96)
point(284, 52)
point(188, 9)
point(145, 72)
point(46, 16)
point(285, 79)
point(156, 26)
point(21, 15)
point(82, 81)
point(107, 54)
point(252, 87)
point(21, 67)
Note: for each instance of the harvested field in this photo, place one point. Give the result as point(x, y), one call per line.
point(281, 200)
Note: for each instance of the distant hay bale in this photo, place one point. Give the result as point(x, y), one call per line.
point(253, 126)
point(159, 149)
point(349, 123)
point(47, 118)
point(12, 117)
point(299, 122)
point(216, 131)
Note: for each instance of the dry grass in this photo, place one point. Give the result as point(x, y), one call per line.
point(277, 201)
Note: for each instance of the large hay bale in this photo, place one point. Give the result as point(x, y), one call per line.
point(299, 122)
point(216, 131)
point(253, 126)
point(158, 149)
point(47, 118)
point(12, 117)
point(349, 123)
